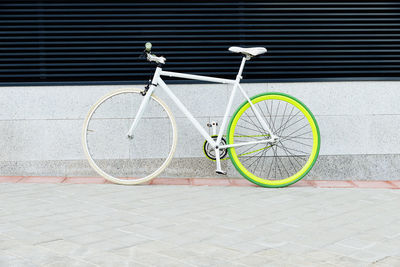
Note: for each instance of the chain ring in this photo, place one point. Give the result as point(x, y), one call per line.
point(210, 151)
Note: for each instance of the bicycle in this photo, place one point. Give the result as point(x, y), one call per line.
point(272, 138)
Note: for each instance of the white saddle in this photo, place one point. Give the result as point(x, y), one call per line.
point(252, 51)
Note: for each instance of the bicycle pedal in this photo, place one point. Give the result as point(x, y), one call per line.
point(221, 172)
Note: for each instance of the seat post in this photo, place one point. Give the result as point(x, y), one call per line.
point(239, 75)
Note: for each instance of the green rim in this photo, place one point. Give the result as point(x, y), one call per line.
point(266, 184)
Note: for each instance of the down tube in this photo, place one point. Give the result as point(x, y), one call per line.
point(187, 113)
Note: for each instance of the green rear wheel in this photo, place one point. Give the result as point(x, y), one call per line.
point(285, 162)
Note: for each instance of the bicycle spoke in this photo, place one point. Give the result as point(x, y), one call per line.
point(248, 148)
point(263, 164)
point(251, 152)
point(283, 126)
point(292, 156)
point(258, 161)
point(283, 164)
point(297, 136)
point(270, 116)
point(247, 128)
point(266, 120)
point(259, 129)
point(250, 123)
point(298, 129)
point(277, 109)
point(291, 140)
point(291, 149)
point(248, 158)
point(287, 127)
point(278, 159)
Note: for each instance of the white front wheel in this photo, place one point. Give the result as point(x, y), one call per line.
point(114, 155)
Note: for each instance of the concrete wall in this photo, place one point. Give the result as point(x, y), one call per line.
point(359, 124)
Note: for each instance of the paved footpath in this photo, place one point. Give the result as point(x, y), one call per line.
point(168, 225)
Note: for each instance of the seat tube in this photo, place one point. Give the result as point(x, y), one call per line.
point(235, 86)
point(222, 128)
point(239, 75)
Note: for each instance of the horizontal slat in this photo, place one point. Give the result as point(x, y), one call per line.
point(222, 31)
point(177, 15)
point(204, 9)
point(212, 20)
point(199, 3)
point(80, 24)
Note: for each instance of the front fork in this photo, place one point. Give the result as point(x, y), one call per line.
point(149, 89)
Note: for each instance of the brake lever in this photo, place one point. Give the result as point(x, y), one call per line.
point(143, 55)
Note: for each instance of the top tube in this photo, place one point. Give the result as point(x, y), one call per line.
point(196, 77)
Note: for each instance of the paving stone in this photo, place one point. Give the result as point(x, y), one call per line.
point(167, 225)
point(30, 237)
point(320, 255)
point(333, 184)
point(387, 262)
point(110, 259)
point(91, 237)
point(34, 254)
point(42, 179)
point(348, 262)
point(209, 250)
point(356, 243)
point(339, 250)
point(144, 231)
point(148, 258)
point(211, 261)
point(368, 256)
point(182, 254)
point(253, 260)
point(62, 247)
point(373, 184)
point(105, 245)
point(153, 246)
point(6, 242)
point(84, 180)
point(69, 262)
point(10, 179)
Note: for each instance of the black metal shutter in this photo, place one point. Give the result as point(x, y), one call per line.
point(88, 42)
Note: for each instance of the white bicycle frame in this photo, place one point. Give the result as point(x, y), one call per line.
point(236, 84)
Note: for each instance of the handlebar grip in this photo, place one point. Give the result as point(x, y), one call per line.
point(148, 46)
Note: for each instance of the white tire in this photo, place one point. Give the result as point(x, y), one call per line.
point(108, 110)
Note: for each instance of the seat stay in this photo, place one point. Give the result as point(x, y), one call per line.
point(264, 125)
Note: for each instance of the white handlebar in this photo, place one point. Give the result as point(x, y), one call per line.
point(154, 58)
